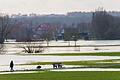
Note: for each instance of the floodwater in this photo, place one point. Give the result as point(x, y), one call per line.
point(84, 46)
point(5, 59)
point(30, 67)
point(13, 48)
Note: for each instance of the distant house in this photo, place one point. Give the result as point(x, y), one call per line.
point(60, 34)
point(84, 35)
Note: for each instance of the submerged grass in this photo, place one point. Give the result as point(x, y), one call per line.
point(113, 63)
point(80, 54)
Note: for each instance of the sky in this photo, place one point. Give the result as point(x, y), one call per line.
point(56, 6)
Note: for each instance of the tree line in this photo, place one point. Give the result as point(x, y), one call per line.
point(103, 26)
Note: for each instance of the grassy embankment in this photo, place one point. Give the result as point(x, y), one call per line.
point(63, 76)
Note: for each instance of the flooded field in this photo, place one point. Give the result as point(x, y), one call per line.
point(82, 46)
point(5, 59)
point(12, 49)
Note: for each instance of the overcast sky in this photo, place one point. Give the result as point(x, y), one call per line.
point(56, 6)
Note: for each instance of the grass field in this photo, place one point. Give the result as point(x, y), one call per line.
point(82, 54)
point(63, 76)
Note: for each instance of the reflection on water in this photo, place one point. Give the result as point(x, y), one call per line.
point(15, 47)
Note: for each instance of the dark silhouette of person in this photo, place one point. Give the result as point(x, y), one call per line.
point(11, 65)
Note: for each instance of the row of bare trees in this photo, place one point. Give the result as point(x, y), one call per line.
point(105, 26)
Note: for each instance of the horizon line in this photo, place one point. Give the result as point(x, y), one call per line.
point(65, 13)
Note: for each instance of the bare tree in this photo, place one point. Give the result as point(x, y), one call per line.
point(32, 47)
point(102, 25)
point(5, 29)
point(71, 33)
point(48, 35)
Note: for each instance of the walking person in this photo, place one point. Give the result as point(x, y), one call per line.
point(11, 66)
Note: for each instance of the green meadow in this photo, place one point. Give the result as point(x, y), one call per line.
point(62, 76)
